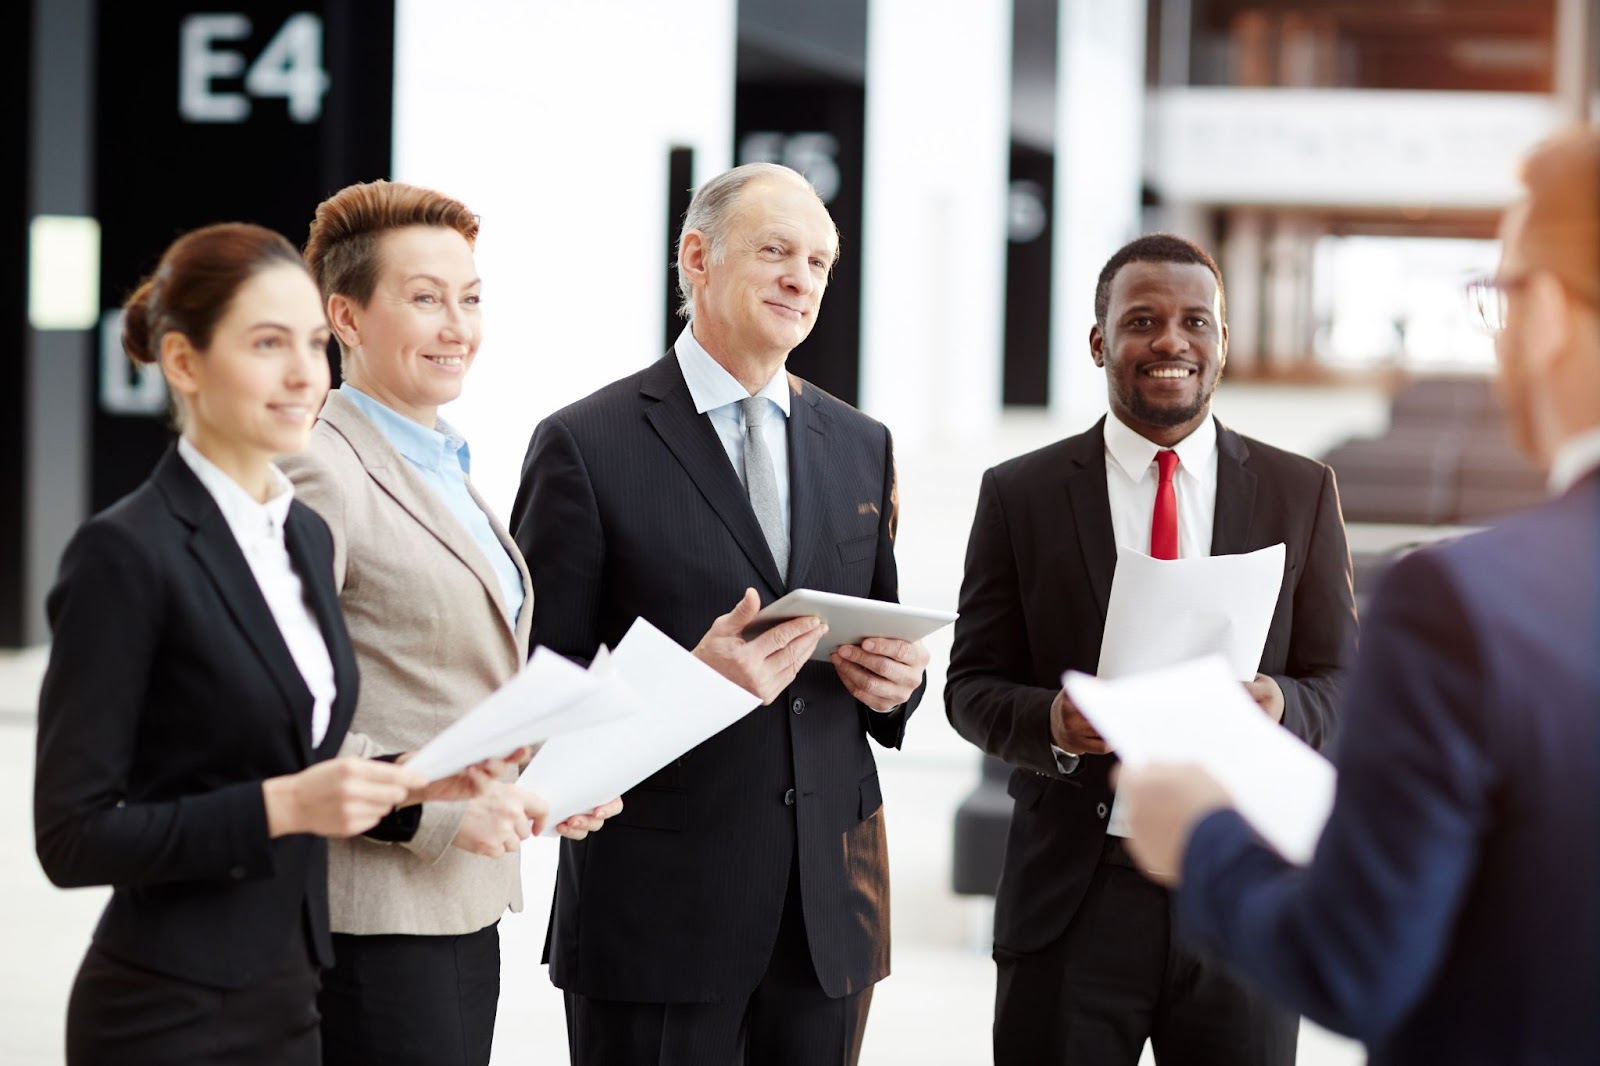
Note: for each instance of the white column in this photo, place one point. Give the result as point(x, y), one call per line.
point(554, 121)
point(1243, 263)
point(1099, 155)
point(934, 216)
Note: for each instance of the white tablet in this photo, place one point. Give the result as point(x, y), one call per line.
point(851, 619)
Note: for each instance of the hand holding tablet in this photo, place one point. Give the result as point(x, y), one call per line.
point(851, 619)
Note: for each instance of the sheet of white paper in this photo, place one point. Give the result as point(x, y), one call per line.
point(549, 697)
point(688, 702)
point(1168, 611)
point(1196, 712)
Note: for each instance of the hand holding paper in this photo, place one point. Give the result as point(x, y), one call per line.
point(1166, 802)
point(689, 701)
point(549, 697)
point(1197, 713)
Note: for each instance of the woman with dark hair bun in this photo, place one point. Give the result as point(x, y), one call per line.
point(200, 678)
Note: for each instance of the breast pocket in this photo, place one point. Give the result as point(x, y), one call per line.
point(856, 558)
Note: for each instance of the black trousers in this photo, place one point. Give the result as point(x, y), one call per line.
point(1117, 978)
point(120, 1014)
point(394, 1000)
point(786, 1020)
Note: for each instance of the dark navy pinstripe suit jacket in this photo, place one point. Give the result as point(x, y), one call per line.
point(629, 507)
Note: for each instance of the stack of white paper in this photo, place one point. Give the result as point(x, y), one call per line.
point(549, 697)
point(688, 703)
point(1198, 713)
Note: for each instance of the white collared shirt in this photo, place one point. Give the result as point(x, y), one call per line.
point(1573, 460)
point(258, 529)
point(717, 393)
point(1132, 476)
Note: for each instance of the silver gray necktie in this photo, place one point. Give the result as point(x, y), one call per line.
point(761, 483)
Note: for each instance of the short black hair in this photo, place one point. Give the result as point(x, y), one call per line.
point(1153, 248)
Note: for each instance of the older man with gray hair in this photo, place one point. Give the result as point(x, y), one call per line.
point(738, 911)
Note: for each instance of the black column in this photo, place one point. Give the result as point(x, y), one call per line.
point(243, 111)
point(818, 129)
point(16, 82)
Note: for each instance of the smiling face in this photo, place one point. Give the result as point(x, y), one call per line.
point(413, 342)
point(255, 390)
point(758, 298)
point(1163, 347)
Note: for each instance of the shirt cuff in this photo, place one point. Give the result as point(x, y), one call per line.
point(1066, 762)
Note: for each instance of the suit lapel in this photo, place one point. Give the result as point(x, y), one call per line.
point(1091, 513)
point(315, 570)
point(807, 482)
point(1236, 495)
point(522, 628)
point(692, 440)
point(405, 486)
point(213, 545)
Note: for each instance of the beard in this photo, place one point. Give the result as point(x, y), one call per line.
point(1168, 416)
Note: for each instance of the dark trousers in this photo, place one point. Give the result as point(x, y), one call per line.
point(786, 1020)
point(1117, 978)
point(121, 1014)
point(394, 1000)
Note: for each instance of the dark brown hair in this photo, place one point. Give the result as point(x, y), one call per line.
point(342, 249)
point(194, 283)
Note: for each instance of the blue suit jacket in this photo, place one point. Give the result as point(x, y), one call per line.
point(1451, 913)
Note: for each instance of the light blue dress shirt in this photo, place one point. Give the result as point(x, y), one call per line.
point(442, 458)
point(717, 393)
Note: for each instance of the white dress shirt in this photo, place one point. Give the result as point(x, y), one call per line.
point(717, 393)
point(1132, 476)
point(258, 528)
point(1573, 460)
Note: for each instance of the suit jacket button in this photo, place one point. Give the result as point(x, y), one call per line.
point(798, 706)
point(1100, 809)
point(788, 798)
point(237, 873)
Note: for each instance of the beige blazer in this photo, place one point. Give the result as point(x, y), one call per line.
point(428, 621)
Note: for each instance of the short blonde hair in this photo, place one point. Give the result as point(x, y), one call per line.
point(1561, 230)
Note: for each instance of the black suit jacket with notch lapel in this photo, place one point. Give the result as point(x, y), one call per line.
point(169, 697)
point(1033, 603)
point(629, 507)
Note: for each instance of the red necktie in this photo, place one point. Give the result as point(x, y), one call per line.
point(1164, 520)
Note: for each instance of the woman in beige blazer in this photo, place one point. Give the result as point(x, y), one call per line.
point(438, 604)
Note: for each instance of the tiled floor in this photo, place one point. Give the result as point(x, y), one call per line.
point(936, 1008)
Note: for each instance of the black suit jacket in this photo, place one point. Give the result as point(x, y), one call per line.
point(629, 507)
point(1033, 603)
point(170, 696)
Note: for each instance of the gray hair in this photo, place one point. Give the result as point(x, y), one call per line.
point(711, 212)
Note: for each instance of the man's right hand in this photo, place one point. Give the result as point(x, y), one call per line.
point(766, 665)
point(1070, 730)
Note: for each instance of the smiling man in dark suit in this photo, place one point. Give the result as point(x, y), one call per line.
point(1088, 968)
point(1451, 913)
point(739, 911)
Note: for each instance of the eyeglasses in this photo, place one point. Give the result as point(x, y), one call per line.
point(1488, 297)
